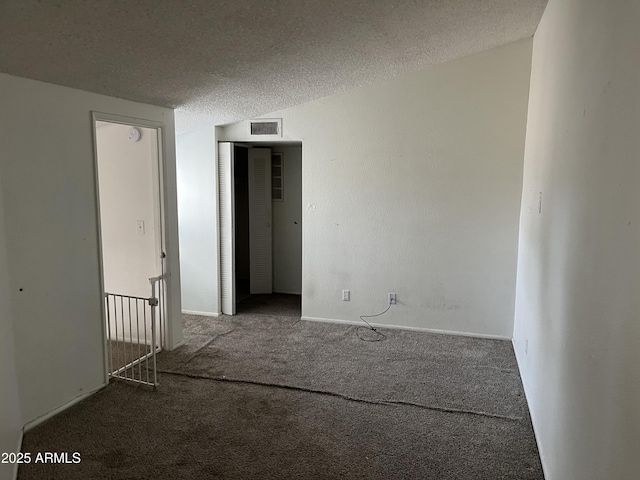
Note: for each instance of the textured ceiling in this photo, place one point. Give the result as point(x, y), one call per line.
point(228, 60)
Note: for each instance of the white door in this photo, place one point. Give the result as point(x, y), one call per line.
point(226, 195)
point(260, 250)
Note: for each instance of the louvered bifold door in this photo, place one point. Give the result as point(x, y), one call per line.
point(227, 227)
point(260, 241)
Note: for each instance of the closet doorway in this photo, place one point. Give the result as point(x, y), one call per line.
point(260, 187)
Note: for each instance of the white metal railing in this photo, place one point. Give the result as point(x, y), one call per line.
point(135, 334)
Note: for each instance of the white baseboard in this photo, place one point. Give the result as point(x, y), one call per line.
point(287, 293)
point(201, 314)
point(412, 329)
point(43, 418)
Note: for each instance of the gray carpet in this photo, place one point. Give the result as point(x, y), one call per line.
point(263, 395)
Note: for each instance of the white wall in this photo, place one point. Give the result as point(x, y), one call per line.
point(10, 416)
point(48, 188)
point(198, 220)
point(128, 194)
point(577, 332)
point(287, 225)
point(413, 186)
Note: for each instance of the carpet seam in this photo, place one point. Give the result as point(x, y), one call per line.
point(394, 403)
point(199, 349)
point(499, 369)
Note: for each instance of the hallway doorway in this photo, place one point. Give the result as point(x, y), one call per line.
point(130, 204)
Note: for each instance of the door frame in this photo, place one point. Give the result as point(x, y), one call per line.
point(242, 142)
point(161, 183)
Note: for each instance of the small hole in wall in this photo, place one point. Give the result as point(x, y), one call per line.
point(21, 289)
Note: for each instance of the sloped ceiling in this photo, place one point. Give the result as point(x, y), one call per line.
point(217, 62)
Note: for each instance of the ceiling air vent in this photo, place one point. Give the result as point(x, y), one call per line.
point(271, 127)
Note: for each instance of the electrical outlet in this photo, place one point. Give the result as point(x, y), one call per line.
point(346, 295)
point(392, 299)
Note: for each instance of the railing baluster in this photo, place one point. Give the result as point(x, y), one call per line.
point(162, 314)
point(145, 339)
point(124, 348)
point(138, 334)
point(115, 323)
point(153, 329)
point(130, 336)
point(109, 346)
